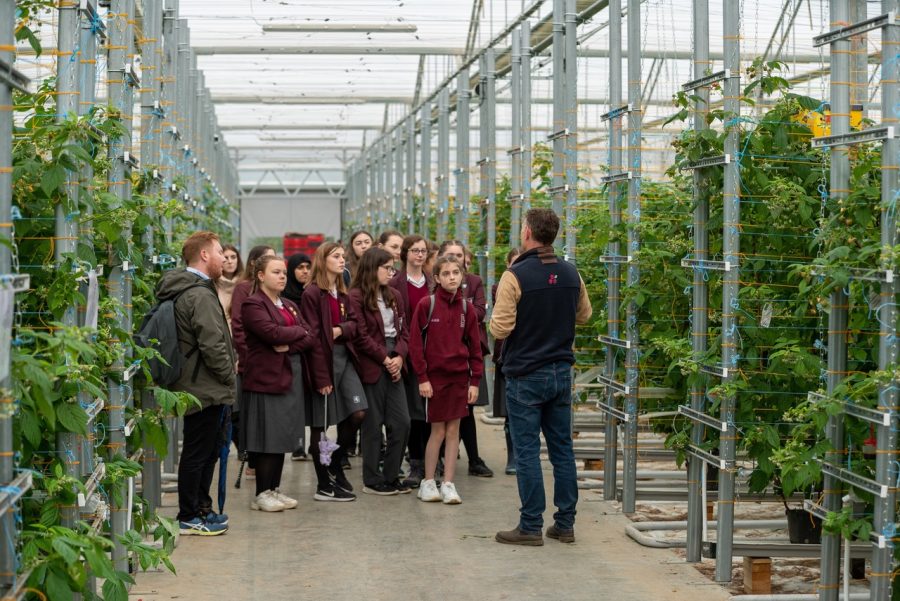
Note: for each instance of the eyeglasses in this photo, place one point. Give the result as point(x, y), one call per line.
point(418, 251)
point(390, 269)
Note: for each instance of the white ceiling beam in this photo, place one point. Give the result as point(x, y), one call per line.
point(222, 50)
point(341, 28)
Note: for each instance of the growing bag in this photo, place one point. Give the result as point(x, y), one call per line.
point(159, 331)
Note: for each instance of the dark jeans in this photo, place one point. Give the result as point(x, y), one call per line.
point(387, 407)
point(202, 434)
point(541, 401)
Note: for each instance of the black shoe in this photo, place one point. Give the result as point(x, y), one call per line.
point(340, 480)
point(345, 463)
point(382, 488)
point(333, 493)
point(478, 468)
point(299, 455)
point(402, 487)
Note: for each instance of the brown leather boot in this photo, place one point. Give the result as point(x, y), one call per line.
point(563, 536)
point(517, 537)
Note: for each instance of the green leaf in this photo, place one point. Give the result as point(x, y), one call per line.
point(68, 554)
point(52, 179)
point(72, 417)
point(57, 586)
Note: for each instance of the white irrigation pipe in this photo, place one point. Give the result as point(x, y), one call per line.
point(796, 597)
point(636, 531)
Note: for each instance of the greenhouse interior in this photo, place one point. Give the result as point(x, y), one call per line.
point(721, 175)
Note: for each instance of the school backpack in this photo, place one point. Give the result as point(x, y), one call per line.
point(431, 310)
point(159, 325)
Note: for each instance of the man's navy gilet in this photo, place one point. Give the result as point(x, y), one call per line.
point(545, 316)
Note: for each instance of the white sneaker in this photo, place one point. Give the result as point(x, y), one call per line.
point(266, 501)
point(287, 501)
point(428, 491)
point(449, 495)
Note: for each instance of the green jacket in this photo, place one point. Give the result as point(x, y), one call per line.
point(201, 324)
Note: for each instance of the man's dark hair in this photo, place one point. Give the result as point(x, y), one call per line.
point(544, 225)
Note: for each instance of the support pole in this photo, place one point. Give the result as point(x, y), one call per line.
point(487, 121)
point(633, 278)
point(700, 313)
point(614, 271)
point(425, 179)
point(69, 446)
point(515, 152)
point(443, 177)
point(830, 565)
point(8, 560)
point(730, 287)
point(410, 174)
point(885, 508)
point(557, 186)
point(572, 129)
point(525, 120)
point(462, 157)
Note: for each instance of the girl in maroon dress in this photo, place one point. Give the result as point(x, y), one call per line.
point(445, 348)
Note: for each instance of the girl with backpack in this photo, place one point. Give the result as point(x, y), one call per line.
point(472, 288)
point(381, 345)
point(413, 283)
point(445, 348)
point(272, 397)
point(326, 307)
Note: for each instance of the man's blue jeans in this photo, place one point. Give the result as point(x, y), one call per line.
point(541, 401)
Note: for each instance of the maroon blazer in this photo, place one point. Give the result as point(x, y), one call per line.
point(240, 294)
point(315, 310)
point(266, 370)
point(473, 289)
point(370, 341)
point(398, 283)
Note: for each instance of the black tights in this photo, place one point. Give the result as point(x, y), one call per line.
point(468, 436)
point(419, 432)
point(268, 470)
point(347, 430)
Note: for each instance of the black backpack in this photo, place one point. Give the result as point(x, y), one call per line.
point(159, 331)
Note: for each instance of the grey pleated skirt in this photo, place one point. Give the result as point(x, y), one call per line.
point(275, 423)
point(347, 397)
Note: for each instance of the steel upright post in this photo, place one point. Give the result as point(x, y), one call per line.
point(388, 173)
point(410, 189)
point(700, 314)
point(730, 287)
point(633, 278)
point(524, 141)
point(830, 565)
point(374, 185)
point(443, 179)
point(15, 487)
point(885, 508)
point(558, 137)
point(462, 156)
point(425, 178)
point(399, 184)
point(121, 99)
point(67, 90)
point(515, 151)
point(613, 268)
point(487, 120)
point(571, 129)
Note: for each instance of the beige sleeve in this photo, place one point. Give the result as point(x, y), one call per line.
point(503, 319)
point(584, 310)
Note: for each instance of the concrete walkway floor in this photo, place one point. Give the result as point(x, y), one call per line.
point(398, 548)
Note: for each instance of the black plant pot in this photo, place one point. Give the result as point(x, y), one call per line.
point(803, 527)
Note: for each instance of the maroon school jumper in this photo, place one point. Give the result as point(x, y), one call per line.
point(452, 360)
